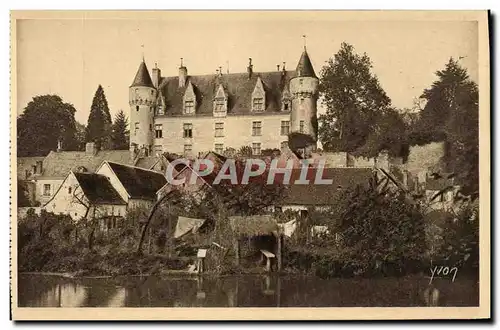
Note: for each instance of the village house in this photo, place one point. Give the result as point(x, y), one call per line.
point(138, 187)
point(86, 195)
point(42, 176)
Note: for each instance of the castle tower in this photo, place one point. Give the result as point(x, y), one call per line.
point(304, 91)
point(142, 98)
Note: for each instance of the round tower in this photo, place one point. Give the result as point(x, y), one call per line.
point(304, 91)
point(142, 99)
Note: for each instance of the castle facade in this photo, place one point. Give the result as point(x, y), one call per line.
point(188, 114)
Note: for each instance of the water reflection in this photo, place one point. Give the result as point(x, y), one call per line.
point(242, 291)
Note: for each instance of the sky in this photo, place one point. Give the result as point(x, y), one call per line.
point(70, 57)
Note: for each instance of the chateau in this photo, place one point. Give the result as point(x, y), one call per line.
point(188, 114)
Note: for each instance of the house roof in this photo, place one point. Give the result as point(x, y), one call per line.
point(324, 194)
point(59, 164)
point(25, 166)
point(304, 67)
point(254, 225)
point(98, 189)
point(142, 77)
point(147, 162)
point(238, 86)
point(139, 183)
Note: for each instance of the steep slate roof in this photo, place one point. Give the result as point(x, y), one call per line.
point(304, 67)
point(138, 183)
point(26, 164)
point(98, 189)
point(59, 164)
point(324, 194)
point(238, 86)
point(142, 77)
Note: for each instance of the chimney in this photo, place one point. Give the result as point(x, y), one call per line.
point(183, 72)
point(156, 75)
point(90, 149)
point(277, 67)
point(250, 68)
point(39, 167)
point(220, 71)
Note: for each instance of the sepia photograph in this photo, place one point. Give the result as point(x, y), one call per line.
point(214, 165)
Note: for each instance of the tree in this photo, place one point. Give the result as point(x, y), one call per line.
point(80, 136)
point(353, 98)
point(46, 120)
point(99, 122)
point(120, 136)
point(451, 115)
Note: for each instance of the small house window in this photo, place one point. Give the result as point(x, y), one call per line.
point(219, 148)
point(46, 189)
point(189, 107)
point(158, 131)
point(258, 104)
point(285, 127)
point(219, 104)
point(136, 108)
point(69, 190)
point(188, 131)
point(286, 106)
point(188, 148)
point(256, 128)
point(219, 129)
point(136, 128)
point(255, 149)
point(160, 109)
point(301, 127)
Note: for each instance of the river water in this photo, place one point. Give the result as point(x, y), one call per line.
point(243, 291)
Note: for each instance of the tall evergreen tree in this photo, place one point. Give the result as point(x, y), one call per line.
point(99, 122)
point(353, 98)
point(451, 115)
point(46, 120)
point(120, 136)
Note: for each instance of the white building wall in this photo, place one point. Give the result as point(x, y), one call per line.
point(108, 172)
point(40, 183)
point(237, 132)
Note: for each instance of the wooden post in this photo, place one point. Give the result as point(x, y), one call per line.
point(279, 252)
point(237, 250)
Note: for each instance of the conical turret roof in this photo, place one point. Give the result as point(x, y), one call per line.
point(305, 68)
point(142, 77)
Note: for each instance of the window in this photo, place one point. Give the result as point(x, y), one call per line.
point(219, 104)
point(158, 131)
point(136, 108)
point(255, 148)
point(136, 128)
point(285, 127)
point(219, 129)
point(301, 128)
point(158, 149)
point(46, 189)
point(284, 145)
point(219, 148)
point(286, 105)
point(188, 130)
point(188, 148)
point(160, 109)
point(189, 107)
point(258, 104)
point(256, 128)
point(69, 190)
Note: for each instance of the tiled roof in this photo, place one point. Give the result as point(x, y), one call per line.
point(98, 189)
point(238, 86)
point(142, 77)
point(324, 194)
point(304, 67)
point(59, 164)
point(139, 183)
point(147, 162)
point(25, 166)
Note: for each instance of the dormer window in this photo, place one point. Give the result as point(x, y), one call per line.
point(189, 100)
point(258, 104)
point(259, 97)
point(188, 107)
point(286, 106)
point(160, 110)
point(220, 102)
